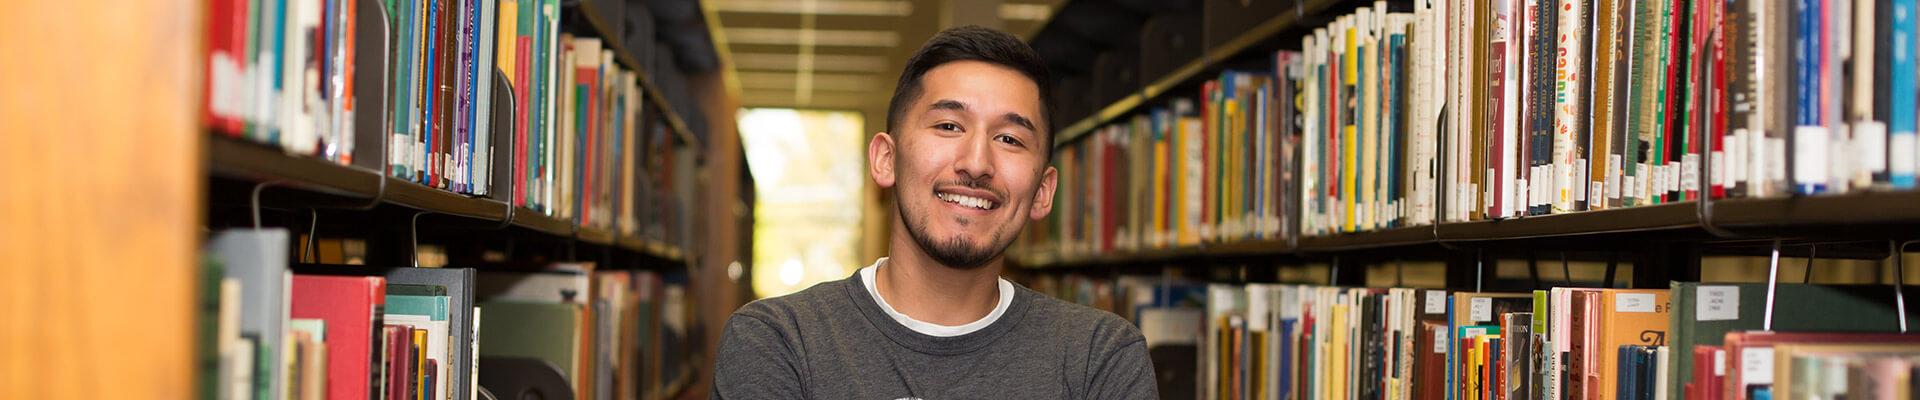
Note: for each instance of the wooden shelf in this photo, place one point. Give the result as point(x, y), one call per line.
point(234, 158)
point(1393, 237)
point(599, 236)
point(240, 160)
point(1212, 59)
point(651, 248)
point(1867, 214)
point(542, 223)
point(1669, 216)
point(420, 197)
point(1851, 209)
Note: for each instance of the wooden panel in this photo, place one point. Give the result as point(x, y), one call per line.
point(101, 183)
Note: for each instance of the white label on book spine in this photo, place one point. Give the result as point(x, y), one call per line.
point(1901, 154)
point(1870, 146)
point(1756, 366)
point(1436, 302)
point(1689, 172)
point(1613, 177)
point(1633, 302)
point(1439, 341)
point(1810, 154)
point(1737, 157)
point(1717, 303)
point(1470, 333)
point(1719, 362)
point(1717, 169)
point(1481, 310)
point(1775, 159)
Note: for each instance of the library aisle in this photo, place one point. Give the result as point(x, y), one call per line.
point(1286, 199)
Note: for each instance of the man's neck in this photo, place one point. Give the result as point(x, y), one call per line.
point(924, 290)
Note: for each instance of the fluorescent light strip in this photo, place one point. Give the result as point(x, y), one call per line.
point(869, 8)
point(821, 82)
point(821, 37)
point(1025, 12)
point(821, 62)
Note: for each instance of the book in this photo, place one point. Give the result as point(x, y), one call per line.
point(256, 259)
point(352, 308)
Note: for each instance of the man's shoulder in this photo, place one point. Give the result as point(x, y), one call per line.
point(1080, 319)
point(788, 310)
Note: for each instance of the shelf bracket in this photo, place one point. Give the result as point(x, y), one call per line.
point(1479, 269)
point(1773, 284)
point(1900, 282)
point(413, 234)
point(255, 200)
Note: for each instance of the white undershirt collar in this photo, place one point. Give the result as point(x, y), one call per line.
point(931, 329)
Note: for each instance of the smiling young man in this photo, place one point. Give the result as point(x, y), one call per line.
point(965, 153)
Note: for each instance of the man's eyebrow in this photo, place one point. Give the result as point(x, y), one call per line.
point(1021, 120)
point(953, 105)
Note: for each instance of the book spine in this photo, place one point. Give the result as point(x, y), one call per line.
point(1901, 144)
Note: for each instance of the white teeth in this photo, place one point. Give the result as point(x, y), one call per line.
point(968, 201)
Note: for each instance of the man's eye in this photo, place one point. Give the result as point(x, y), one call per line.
point(1008, 139)
point(947, 126)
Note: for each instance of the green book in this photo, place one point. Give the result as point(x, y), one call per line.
point(433, 307)
point(1737, 307)
point(544, 331)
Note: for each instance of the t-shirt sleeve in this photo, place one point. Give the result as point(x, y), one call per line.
point(1126, 374)
point(756, 361)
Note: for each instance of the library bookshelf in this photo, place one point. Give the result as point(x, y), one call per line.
point(1247, 182)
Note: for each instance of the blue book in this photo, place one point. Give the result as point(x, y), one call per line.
point(1900, 118)
point(276, 49)
point(427, 89)
point(1626, 373)
point(1808, 146)
point(1283, 384)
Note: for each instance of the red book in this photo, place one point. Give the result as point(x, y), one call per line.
point(1207, 157)
point(226, 66)
point(399, 360)
point(1716, 95)
point(351, 306)
point(1702, 383)
point(522, 105)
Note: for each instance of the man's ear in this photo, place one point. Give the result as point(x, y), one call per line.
point(1043, 199)
point(880, 159)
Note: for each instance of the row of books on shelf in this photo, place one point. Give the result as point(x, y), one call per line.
point(352, 332)
point(1411, 113)
point(578, 142)
point(1692, 341)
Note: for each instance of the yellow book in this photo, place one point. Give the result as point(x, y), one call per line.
point(1160, 194)
point(1192, 182)
point(1230, 187)
point(1349, 156)
point(420, 363)
point(509, 27)
point(1628, 317)
point(1337, 359)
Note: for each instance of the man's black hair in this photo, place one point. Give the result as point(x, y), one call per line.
point(974, 43)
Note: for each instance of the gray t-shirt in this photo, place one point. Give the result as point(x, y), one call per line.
point(833, 341)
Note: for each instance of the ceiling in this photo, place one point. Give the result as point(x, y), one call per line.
point(845, 54)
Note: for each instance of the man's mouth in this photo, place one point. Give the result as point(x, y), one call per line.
point(967, 201)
